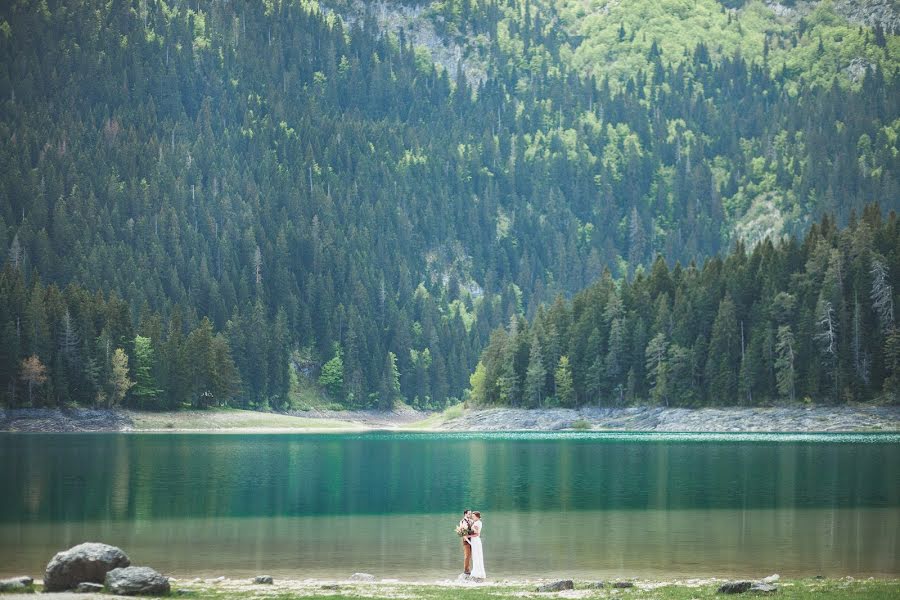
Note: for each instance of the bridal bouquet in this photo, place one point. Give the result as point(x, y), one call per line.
point(462, 530)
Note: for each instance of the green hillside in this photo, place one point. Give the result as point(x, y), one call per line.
point(340, 208)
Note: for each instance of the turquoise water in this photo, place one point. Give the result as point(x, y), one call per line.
point(576, 504)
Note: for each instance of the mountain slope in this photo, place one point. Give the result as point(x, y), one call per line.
point(322, 190)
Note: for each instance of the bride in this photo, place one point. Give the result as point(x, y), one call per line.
point(477, 553)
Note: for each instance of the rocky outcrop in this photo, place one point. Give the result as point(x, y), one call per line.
point(133, 581)
point(89, 562)
point(557, 586)
point(654, 418)
point(51, 419)
point(734, 587)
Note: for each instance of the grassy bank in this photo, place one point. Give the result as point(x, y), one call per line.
point(846, 588)
point(232, 419)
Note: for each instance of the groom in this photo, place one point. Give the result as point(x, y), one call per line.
point(467, 548)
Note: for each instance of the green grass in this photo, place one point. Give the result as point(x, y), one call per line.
point(581, 424)
point(229, 418)
point(805, 589)
point(438, 419)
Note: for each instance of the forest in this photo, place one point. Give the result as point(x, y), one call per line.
point(211, 203)
point(809, 319)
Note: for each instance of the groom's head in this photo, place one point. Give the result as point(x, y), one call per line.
point(466, 512)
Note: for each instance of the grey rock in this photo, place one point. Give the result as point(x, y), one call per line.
point(16, 584)
point(85, 562)
point(133, 581)
point(771, 578)
point(86, 587)
point(763, 588)
point(595, 585)
point(463, 577)
point(621, 585)
point(264, 579)
point(735, 587)
point(331, 586)
point(185, 592)
point(362, 577)
point(557, 586)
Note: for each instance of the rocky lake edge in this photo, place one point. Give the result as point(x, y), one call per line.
point(676, 588)
point(794, 419)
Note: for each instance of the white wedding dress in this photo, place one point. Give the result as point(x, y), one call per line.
point(477, 553)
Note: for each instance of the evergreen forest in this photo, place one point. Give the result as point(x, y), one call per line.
point(209, 203)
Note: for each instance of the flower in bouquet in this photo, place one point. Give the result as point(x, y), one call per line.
point(462, 530)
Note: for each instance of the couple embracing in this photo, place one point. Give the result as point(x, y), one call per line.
point(469, 529)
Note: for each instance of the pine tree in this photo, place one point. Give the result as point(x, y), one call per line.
point(658, 368)
point(536, 376)
point(34, 374)
point(144, 389)
point(119, 382)
point(784, 363)
point(565, 387)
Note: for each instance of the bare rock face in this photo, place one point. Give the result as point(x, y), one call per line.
point(133, 581)
point(557, 586)
point(88, 562)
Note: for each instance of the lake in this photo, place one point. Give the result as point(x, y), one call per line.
point(568, 504)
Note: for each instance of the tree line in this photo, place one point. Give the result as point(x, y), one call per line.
point(72, 346)
point(789, 320)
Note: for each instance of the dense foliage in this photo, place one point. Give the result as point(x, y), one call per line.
point(787, 321)
point(335, 204)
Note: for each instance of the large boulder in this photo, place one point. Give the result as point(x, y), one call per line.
point(557, 586)
point(16, 584)
point(133, 581)
point(85, 562)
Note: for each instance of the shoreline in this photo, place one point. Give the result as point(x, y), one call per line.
point(667, 588)
point(786, 419)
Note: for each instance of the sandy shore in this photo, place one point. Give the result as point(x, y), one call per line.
point(805, 419)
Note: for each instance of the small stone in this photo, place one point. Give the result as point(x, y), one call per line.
point(463, 577)
point(133, 581)
point(362, 577)
point(557, 586)
point(87, 587)
point(183, 592)
point(819, 577)
point(331, 586)
point(734, 587)
point(595, 585)
point(772, 578)
point(264, 579)
point(16, 584)
point(622, 585)
point(763, 588)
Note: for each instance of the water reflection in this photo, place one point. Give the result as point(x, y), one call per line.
point(591, 504)
point(612, 543)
